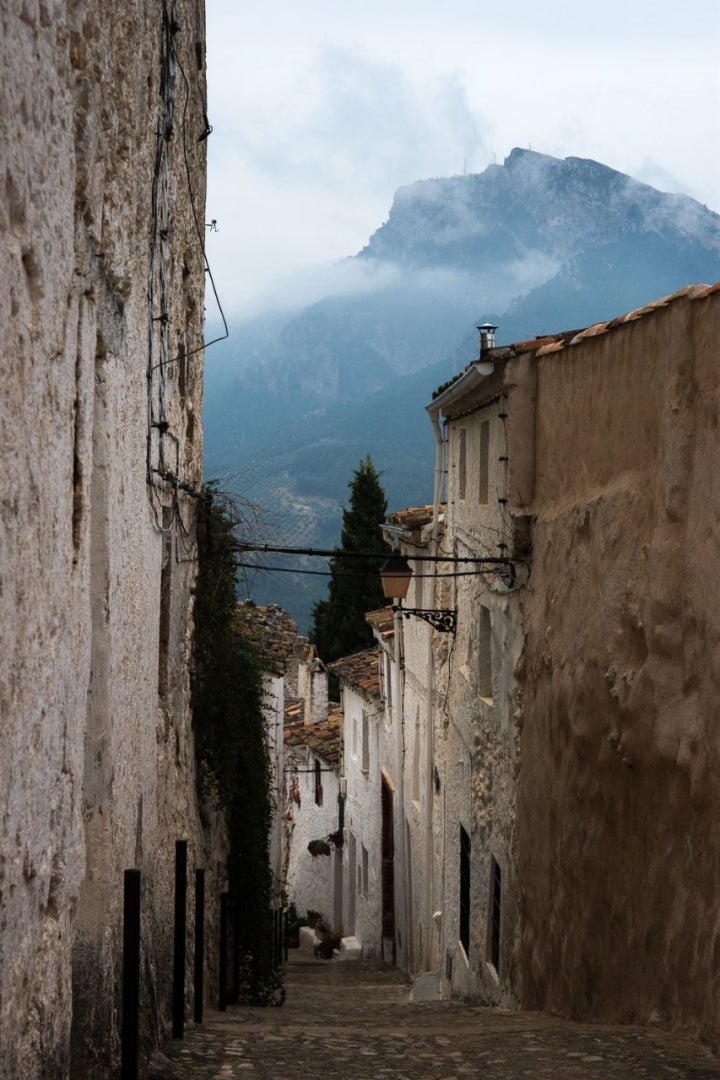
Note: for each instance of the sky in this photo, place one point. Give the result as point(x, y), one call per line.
point(322, 109)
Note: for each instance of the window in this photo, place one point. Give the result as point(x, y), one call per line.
point(494, 923)
point(364, 866)
point(365, 745)
point(484, 461)
point(318, 783)
point(465, 891)
point(462, 463)
point(165, 607)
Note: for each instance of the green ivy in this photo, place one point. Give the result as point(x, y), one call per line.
point(231, 743)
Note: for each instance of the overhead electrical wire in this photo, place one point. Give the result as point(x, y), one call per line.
point(357, 574)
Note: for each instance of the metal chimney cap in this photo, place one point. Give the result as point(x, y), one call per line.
point(487, 336)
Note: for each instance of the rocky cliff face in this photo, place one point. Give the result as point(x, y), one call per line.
point(101, 109)
point(531, 203)
point(459, 248)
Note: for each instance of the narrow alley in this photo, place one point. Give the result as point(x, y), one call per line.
point(354, 1020)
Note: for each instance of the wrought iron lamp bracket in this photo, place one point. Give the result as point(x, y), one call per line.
point(440, 619)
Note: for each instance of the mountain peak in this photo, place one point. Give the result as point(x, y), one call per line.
point(532, 202)
point(519, 154)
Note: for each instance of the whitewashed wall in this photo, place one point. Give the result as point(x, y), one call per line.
point(311, 881)
point(362, 855)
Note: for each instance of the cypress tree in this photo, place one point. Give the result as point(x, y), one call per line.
point(339, 627)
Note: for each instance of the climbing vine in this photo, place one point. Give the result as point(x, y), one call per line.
point(231, 745)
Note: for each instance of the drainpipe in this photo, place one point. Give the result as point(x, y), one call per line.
point(429, 725)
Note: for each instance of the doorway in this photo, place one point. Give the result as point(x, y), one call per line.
point(388, 874)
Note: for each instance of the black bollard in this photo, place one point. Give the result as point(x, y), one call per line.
point(222, 979)
point(278, 937)
point(130, 976)
point(235, 927)
point(199, 959)
point(180, 930)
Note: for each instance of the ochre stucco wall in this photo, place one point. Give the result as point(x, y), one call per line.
point(619, 784)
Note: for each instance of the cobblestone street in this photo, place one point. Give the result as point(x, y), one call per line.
point(350, 1020)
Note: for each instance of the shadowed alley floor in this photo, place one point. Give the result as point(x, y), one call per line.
point(347, 1020)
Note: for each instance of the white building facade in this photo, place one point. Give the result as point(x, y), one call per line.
point(312, 850)
point(364, 750)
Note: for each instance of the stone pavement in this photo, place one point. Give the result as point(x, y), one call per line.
point(353, 1021)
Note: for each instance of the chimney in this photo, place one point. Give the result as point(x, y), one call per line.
point(487, 337)
point(313, 687)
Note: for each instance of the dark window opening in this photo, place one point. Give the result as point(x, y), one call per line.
point(484, 462)
point(465, 891)
point(484, 654)
point(365, 745)
point(462, 463)
point(318, 784)
point(165, 607)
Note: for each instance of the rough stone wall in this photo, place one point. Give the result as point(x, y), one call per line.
point(101, 109)
point(619, 793)
point(476, 696)
point(411, 825)
point(390, 755)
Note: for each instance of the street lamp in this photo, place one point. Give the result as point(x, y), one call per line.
point(395, 574)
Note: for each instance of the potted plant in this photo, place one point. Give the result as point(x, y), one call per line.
point(319, 847)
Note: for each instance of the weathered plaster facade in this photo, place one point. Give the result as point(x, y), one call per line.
point(572, 738)
point(100, 313)
point(619, 796)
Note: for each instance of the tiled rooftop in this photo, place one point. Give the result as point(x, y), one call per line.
point(271, 629)
point(552, 343)
point(323, 738)
point(359, 671)
point(382, 620)
point(412, 517)
point(294, 711)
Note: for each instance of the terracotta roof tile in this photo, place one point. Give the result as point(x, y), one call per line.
point(294, 712)
point(534, 343)
point(412, 517)
point(322, 738)
point(544, 346)
point(382, 620)
point(360, 671)
point(271, 629)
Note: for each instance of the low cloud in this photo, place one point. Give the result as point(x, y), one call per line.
point(322, 158)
